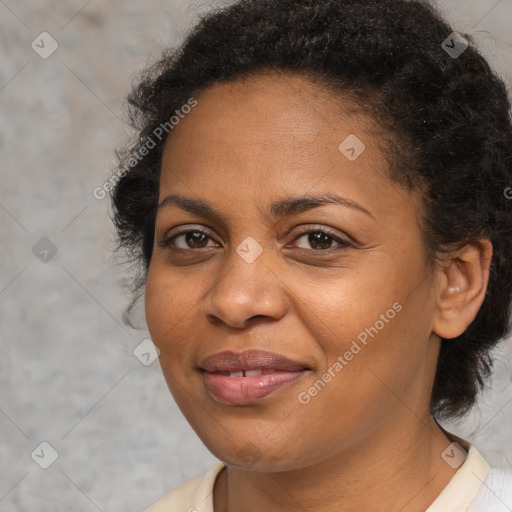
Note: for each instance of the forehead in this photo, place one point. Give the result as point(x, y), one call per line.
point(292, 106)
point(277, 134)
point(271, 116)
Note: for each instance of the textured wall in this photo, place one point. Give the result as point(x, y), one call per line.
point(68, 374)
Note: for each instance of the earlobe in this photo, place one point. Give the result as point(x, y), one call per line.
point(461, 284)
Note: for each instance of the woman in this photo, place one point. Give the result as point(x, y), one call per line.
point(316, 198)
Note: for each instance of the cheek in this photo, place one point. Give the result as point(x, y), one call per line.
point(378, 328)
point(165, 308)
point(338, 310)
point(166, 313)
point(172, 306)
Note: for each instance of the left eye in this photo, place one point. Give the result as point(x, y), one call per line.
point(320, 240)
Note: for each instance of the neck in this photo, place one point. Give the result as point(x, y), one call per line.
point(391, 469)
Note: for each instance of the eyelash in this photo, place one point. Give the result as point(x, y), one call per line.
point(168, 242)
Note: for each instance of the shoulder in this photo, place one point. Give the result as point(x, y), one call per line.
point(193, 494)
point(476, 486)
point(495, 495)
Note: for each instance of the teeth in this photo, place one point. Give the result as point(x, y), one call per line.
point(251, 373)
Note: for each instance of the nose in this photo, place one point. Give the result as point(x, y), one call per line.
point(244, 292)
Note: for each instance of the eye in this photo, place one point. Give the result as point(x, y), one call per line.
point(321, 241)
point(190, 239)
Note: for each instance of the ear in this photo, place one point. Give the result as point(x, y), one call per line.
point(461, 284)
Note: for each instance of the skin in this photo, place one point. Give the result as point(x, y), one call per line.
point(366, 441)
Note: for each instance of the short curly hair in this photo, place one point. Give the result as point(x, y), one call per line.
point(446, 116)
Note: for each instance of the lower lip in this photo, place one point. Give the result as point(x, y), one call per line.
point(247, 390)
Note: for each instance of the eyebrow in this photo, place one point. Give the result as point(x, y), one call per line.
point(278, 209)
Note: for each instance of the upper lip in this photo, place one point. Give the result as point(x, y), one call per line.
point(229, 361)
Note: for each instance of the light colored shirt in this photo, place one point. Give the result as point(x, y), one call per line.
point(475, 487)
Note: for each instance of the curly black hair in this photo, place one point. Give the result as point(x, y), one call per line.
point(446, 116)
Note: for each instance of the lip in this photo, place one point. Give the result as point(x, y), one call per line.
point(229, 361)
point(279, 373)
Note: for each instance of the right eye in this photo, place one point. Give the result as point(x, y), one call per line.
point(190, 239)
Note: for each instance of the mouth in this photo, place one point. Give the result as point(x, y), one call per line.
point(250, 373)
point(247, 377)
point(247, 387)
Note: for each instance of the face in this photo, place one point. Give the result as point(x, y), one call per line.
point(341, 288)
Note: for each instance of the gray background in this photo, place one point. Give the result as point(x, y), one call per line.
point(68, 375)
